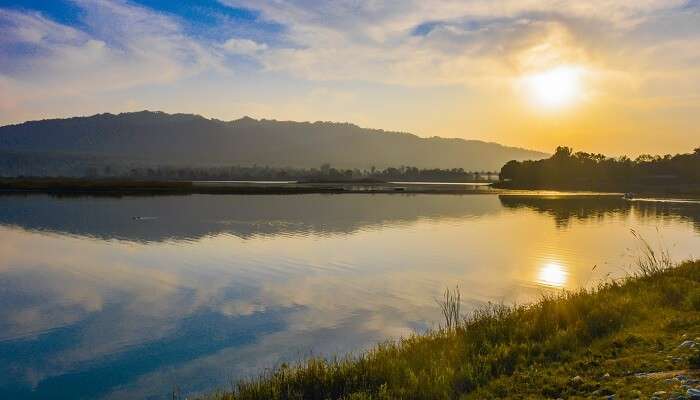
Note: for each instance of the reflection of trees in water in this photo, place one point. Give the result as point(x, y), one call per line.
point(564, 209)
point(689, 212)
point(194, 216)
point(191, 217)
point(595, 208)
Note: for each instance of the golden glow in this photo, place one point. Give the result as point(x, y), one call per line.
point(552, 274)
point(555, 88)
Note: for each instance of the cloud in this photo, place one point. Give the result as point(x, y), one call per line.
point(447, 42)
point(243, 46)
point(117, 46)
point(120, 45)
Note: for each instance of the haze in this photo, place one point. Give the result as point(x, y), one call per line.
point(616, 77)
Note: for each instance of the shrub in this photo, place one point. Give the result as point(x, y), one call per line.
point(673, 294)
point(601, 321)
point(694, 361)
point(694, 300)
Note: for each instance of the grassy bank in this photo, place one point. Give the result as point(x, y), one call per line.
point(622, 338)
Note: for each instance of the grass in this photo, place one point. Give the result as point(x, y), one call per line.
point(580, 344)
point(449, 306)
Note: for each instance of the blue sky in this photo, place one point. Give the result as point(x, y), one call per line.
point(201, 15)
point(457, 68)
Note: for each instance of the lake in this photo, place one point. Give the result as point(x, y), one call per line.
point(134, 297)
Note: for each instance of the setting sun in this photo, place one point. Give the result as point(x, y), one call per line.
point(555, 88)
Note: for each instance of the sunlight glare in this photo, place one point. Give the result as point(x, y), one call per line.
point(555, 88)
point(552, 274)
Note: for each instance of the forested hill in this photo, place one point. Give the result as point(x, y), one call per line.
point(185, 139)
point(586, 171)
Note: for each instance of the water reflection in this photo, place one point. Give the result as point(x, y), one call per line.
point(564, 209)
point(552, 274)
point(162, 218)
point(96, 304)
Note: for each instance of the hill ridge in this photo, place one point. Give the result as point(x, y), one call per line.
point(194, 140)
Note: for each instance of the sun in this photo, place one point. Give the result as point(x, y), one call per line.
point(555, 88)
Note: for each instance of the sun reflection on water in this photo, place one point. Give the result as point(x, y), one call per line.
point(552, 274)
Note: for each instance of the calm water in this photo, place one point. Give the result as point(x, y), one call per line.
point(95, 303)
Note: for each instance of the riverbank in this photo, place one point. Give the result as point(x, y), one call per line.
point(121, 187)
point(637, 338)
point(65, 186)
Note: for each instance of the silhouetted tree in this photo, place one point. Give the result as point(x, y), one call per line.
point(568, 169)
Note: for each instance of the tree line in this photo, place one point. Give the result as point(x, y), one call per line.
point(324, 173)
point(93, 167)
point(569, 169)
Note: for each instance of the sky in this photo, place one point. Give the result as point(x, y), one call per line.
point(616, 77)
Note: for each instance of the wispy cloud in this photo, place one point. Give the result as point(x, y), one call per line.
point(443, 42)
point(243, 46)
point(119, 45)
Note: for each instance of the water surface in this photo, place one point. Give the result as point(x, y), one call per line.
point(132, 297)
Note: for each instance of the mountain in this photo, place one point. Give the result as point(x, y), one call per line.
point(158, 138)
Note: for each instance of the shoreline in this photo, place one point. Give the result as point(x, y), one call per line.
point(121, 187)
point(124, 187)
point(129, 187)
point(638, 337)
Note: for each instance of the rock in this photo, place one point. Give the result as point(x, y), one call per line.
point(602, 392)
point(576, 380)
point(659, 393)
point(693, 394)
point(688, 344)
point(606, 376)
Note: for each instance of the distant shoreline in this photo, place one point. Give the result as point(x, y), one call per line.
point(73, 186)
point(126, 187)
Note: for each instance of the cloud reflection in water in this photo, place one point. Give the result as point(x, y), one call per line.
point(131, 309)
